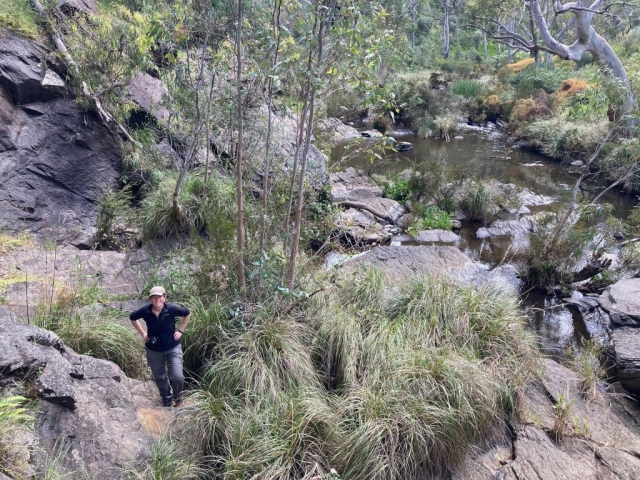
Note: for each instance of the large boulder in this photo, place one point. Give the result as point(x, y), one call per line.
point(402, 262)
point(24, 72)
point(600, 438)
point(353, 185)
point(148, 94)
point(86, 405)
point(56, 164)
point(78, 7)
point(336, 130)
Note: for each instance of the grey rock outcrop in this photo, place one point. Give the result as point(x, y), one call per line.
point(369, 217)
point(600, 440)
point(425, 237)
point(24, 72)
point(55, 160)
point(402, 262)
point(622, 302)
point(86, 405)
point(498, 228)
point(73, 7)
point(59, 164)
point(336, 130)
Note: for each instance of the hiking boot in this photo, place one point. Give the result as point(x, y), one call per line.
point(177, 403)
point(166, 402)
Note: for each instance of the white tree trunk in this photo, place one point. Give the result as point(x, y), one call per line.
point(588, 40)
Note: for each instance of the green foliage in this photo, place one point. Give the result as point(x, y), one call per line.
point(19, 16)
point(206, 207)
point(562, 413)
point(588, 363)
point(530, 80)
point(432, 217)
point(467, 88)
point(15, 428)
point(114, 215)
point(399, 190)
point(352, 386)
point(413, 100)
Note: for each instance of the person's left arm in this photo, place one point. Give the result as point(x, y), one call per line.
point(186, 316)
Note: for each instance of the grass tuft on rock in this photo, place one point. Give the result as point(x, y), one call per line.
point(376, 383)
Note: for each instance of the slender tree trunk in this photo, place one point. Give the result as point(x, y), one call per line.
point(239, 157)
point(447, 47)
point(295, 242)
point(484, 42)
point(275, 23)
point(458, 49)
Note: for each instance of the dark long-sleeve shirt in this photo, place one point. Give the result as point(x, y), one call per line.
point(160, 329)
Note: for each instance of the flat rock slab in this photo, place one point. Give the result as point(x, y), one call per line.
point(353, 185)
point(403, 262)
point(499, 228)
point(338, 131)
point(429, 237)
point(601, 439)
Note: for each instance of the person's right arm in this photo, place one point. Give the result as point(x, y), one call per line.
point(134, 317)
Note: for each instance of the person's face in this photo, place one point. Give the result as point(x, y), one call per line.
point(157, 301)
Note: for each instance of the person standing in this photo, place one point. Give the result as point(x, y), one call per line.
point(162, 341)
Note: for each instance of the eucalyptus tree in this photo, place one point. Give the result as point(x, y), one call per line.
point(541, 25)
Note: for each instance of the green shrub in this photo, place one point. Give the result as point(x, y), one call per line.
point(114, 215)
point(19, 16)
point(467, 88)
point(529, 80)
point(588, 363)
point(562, 138)
point(433, 217)
point(399, 190)
point(414, 100)
point(205, 206)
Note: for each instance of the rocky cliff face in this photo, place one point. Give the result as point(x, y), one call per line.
point(55, 160)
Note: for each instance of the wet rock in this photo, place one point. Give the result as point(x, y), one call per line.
point(87, 405)
point(429, 237)
point(404, 147)
point(403, 262)
point(524, 226)
point(148, 94)
point(24, 72)
point(59, 164)
point(401, 132)
point(337, 130)
point(371, 134)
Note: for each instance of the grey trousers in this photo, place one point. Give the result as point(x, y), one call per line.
point(167, 372)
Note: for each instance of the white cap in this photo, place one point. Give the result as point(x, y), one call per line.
point(159, 291)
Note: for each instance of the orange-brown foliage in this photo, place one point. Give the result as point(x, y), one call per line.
point(522, 64)
point(571, 86)
point(528, 110)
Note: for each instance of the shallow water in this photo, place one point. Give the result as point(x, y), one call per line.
point(485, 154)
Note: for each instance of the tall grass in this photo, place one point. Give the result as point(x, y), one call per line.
point(86, 327)
point(169, 460)
point(203, 205)
point(466, 88)
point(372, 384)
point(15, 424)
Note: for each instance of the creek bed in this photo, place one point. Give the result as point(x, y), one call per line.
point(485, 154)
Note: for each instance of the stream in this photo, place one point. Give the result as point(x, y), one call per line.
point(485, 154)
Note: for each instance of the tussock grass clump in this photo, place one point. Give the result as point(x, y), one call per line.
point(203, 205)
point(89, 329)
point(15, 423)
point(467, 88)
point(168, 460)
point(562, 138)
point(372, 384)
